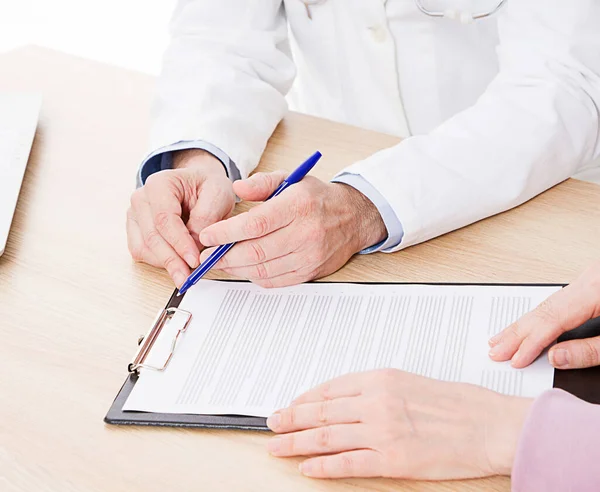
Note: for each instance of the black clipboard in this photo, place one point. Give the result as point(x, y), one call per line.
point(583, 383)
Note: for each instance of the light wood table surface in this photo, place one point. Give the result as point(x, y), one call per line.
point(72, 303)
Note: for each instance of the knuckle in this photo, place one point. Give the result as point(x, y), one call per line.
point(256, 253)
point(269, 180)
point(289, 417)
point(154, 179)
point(170, 262)
point(326, 391)
point(546, 312)
point(591, 356)
point(323, 437)
point(260, 271)
point(290, 444)
point(152, 238)
point(257, 226)
point(347, 464)
point(324, 412)
point(321, 467)
point(259, 176)
point(513, 330)
point(161, 220)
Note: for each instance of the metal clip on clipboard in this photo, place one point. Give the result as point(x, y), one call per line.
point(146, 343)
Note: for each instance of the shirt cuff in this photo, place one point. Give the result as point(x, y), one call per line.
point(162, 159)
point(391, 221)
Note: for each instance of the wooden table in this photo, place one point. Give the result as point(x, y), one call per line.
point(72, 303)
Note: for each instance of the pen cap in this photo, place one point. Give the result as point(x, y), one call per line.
point(304, 168)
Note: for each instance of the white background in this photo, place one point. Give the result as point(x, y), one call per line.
point(128, 33)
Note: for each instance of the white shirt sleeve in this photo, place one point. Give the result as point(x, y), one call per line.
point(163, 159)
point(225, 76)
point(535, 125)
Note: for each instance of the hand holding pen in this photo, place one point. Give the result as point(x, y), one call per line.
point(219, 252)
point(309, 231)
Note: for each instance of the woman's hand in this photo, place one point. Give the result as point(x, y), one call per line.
point(524, 340)
point(395, 424)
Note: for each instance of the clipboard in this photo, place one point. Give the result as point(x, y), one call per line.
point(583, 383)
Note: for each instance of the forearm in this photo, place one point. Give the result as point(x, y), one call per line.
point(536, 125)
point(558, 448)
point(224, 79)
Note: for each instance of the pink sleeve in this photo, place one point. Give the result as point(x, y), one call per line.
point(559, 448)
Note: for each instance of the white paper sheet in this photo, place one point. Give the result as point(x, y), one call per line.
point(250, 351)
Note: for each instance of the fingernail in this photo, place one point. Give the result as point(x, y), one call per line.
point(191, 260)
point(179, 278)
point(493, 352)
point(305, 468)
point(273, 421)
point(559, 357)
point(274, 445)
point(494, 340)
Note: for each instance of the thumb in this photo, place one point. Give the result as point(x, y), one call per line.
point(259, 186)
point(576, 354)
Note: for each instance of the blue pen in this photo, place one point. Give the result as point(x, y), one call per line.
point(218, 253)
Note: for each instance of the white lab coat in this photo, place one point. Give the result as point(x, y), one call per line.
point(496, 111)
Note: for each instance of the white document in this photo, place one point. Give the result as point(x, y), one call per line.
point(251, 351)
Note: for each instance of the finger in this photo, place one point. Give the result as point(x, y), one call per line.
point(323, 440)
point(165, 254)
point(317, 414)
point(576, 354)
point(258, 222)
point(343, 386)
point(166, 212)
point(269, 270)
point(359, 463)
point(135, 243)
point(524, 340)
point(259, 186)
point(256, 251)
point(214, 204)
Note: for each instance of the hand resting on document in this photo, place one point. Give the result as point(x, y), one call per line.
point(391, 423)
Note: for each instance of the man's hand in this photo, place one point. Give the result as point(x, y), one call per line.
point(169, 211)
point(309, 231)
point(523, 341)
point(395, 424)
